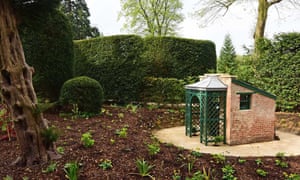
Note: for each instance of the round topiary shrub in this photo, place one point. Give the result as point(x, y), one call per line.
point(86, 92)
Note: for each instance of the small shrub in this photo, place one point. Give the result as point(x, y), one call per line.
point(291, 176)
point(51, 168)
point(72, 170)
point(143, 168)
point(261, 172)
point(106, 164)
point(50, 135)
point(153, 149)
point(196, 154)
point(204, 175)
point(87, 140)
point(258, 161)
point(122, 132)
point(241, 161)
point(86, 92)
point(219, 158)
point(281, 163)
point(228, 172)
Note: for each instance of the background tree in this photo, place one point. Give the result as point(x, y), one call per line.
point(78, 13)
point(152, 17)
point(48, 47)
point(16, 80)
point(212, 9)
point(227, 62)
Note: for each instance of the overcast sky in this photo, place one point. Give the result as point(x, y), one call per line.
point(239, 22)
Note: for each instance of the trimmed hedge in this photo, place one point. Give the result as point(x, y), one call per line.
point(173, 57)
point(115, 62)
point(165, 90)
point(86, 92)
point(120, 63)
point(48, 47)
point(278, 69)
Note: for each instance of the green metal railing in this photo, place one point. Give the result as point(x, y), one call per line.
point(205, 114)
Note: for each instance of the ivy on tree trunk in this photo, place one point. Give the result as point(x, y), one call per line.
point(18, 93)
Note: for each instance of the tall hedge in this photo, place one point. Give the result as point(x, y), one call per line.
point(173, 57)
point(115, 62)
point(120, 63)
point(278, 69)
point(48, 47)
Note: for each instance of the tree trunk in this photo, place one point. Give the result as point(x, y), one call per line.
point(18, 93)
point(262, 15)
point(261, 19)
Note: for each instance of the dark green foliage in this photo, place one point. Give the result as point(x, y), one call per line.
point(86, 92)
point(48, 47)
point(178, 58)
point(278, 69)
point(78, 14)
point(120, 64)
point(115, 62)
point(50, 135)
point(165, 90)
point(227, 62)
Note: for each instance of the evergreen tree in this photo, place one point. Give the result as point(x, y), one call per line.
point(227, 62)
point(78, 13)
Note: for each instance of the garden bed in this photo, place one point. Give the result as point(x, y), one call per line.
point(122, 135)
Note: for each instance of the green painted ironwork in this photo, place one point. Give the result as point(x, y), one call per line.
point(206, 115)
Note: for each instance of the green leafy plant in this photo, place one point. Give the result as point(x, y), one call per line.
point(228, 172)
point(280, 163)
point(72, 170)
point(121, 115)
point(219, 158)
point(50, 135)
point(153, 149)
point(50, 168)
point(196, 153)
point(176, 175)
point(143, 168)
point(218, 139)
point(132, 108)
point(60, 150)
point(258, 161)
point(112, 141)
point(241, 161)
point(121, 132)
point(87, 140)
point(106, 164)
point(291, 176)
point(280, 155)
point(261, 172)
point(75, 111)
point(204, 175)
point(7, 177)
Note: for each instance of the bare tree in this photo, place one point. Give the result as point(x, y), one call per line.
point(210, 10)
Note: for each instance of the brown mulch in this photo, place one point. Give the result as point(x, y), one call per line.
point(124, 151)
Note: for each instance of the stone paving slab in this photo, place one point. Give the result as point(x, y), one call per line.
point(288, 143)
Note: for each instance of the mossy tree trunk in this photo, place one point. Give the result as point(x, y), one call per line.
point(18, 93)
point(262, 15)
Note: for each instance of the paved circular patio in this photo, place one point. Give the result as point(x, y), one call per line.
point(288, 144)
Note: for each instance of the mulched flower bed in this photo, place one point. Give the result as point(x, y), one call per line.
point(123, 150)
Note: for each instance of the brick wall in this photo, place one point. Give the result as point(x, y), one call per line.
point(256, 124)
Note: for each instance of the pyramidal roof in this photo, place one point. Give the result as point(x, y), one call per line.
point(209, 83)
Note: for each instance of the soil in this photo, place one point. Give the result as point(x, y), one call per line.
point(123, 151)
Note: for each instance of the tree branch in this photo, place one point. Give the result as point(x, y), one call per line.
point(273, 2)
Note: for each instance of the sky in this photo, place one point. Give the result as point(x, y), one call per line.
point(239, 22)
